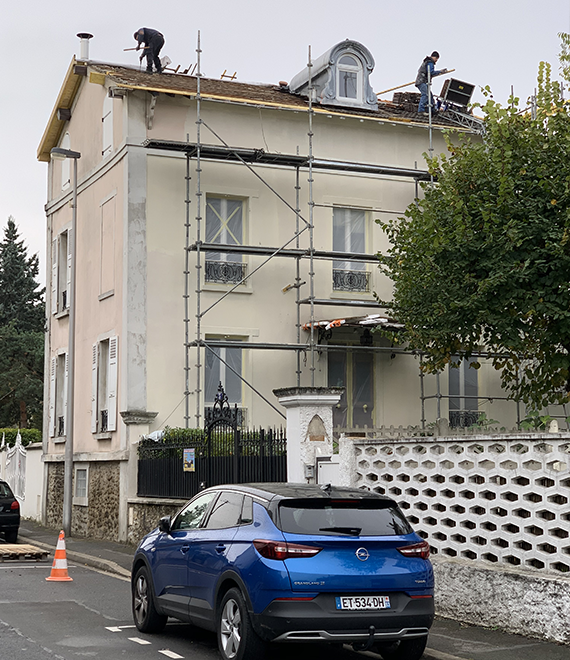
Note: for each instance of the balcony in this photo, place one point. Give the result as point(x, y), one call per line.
point(225, 272)
point(351, 280)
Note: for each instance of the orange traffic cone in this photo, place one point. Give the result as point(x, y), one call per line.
point(59, 566)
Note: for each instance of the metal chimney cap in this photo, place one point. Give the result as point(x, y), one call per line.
point(84, 35)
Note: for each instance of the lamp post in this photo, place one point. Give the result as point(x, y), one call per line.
point(61, 154)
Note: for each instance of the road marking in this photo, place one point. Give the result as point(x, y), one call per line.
point(118, 628)
point(171, 654)
point(429, 654)
point(138, 640)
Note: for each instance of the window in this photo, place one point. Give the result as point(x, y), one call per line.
point(104, 386)
point(349, 235)
point(221, 372)
point(224, 225)
point(193, 514)
point(107, 126)
point(226, 511)
point(349, 71)
point(58, 395)
point(107, 273)
point(60, 273)
point(80, 491)
point(353, 370)
point(463, 391)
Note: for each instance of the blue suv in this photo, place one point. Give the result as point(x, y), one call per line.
point(262, 563)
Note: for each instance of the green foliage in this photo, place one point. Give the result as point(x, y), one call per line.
point(484, 423)
point(28, 436)
point(21, 334)
point(534, 420)
point(482, 262)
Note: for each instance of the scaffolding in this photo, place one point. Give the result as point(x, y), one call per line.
point(252, 159)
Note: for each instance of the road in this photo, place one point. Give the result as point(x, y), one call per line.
point(91, 618)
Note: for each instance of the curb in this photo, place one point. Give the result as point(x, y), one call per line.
point(81, 558)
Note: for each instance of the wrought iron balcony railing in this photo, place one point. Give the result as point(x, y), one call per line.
point(351, 280)
point(225, 272)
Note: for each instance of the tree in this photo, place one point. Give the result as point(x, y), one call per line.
point(22, 326)
point(482, 262)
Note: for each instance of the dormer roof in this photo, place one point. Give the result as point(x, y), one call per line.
point(340, 77)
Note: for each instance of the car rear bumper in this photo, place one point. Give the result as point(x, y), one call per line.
point(9, 521)
point(318, 620)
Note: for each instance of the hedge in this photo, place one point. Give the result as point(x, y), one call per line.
point(28, 436)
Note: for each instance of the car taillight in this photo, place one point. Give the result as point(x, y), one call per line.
point(420, 550)
point(284, 550)
point(15, 505)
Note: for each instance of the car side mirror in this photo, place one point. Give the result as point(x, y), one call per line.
point(164, 524)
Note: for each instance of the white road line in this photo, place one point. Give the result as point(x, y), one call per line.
point(171, 654)
point(138, 640)
point(113, 628)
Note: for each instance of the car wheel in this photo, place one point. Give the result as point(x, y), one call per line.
point(11, 537)
point(145, 615)
point(405, 649)
point(236, 637)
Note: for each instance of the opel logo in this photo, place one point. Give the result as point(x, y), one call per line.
point(362, 554)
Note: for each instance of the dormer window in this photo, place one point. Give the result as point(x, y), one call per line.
point(340, 77)
point(349, 78)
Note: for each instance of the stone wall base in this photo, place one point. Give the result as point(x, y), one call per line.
point(517, 601)
point(144, 515)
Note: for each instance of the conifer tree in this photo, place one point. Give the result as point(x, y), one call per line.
point(22, 323)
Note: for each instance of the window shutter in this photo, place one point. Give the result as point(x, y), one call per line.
point(54, 276)
point(94, 383)
point(52, 398)
point(112, 373)
point(65, 390)
point(68, 283)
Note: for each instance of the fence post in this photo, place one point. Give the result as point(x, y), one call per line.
point(237, 438)
point(309, 427)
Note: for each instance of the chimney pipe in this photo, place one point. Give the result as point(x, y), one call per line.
point(84, 41)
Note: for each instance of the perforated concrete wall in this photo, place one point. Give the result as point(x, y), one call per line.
point(489, 499)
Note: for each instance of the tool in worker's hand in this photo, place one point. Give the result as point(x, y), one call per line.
point(384, 91)
point(135, 48)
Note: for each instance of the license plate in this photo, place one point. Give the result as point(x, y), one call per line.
point(362, 602)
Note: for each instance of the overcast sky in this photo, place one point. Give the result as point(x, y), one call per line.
point(489, 42)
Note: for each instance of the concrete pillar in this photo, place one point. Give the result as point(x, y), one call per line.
point(309, 428)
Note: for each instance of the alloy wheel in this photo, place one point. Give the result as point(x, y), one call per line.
point(141, 598)
point(230, 629)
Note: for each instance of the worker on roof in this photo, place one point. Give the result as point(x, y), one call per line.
point(153, 42)
point(426, 73)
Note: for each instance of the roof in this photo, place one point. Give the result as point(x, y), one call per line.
point(175, 84)
point(284, 490)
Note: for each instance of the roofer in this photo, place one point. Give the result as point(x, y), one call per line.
point(422, 80)
point(153, 41)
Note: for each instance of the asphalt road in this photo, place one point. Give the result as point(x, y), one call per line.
point(91, 618)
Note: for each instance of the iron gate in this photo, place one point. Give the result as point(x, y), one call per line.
point(223, 453)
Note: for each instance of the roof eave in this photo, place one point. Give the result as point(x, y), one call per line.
point(55, 126)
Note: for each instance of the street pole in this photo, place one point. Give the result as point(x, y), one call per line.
point(68, 456)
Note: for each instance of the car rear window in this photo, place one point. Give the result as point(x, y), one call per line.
point(343, 517)
point(5, 491)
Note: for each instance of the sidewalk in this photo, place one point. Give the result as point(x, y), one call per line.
point(105, 555)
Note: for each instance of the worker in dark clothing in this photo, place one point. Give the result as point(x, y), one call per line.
point(153, 41)
point(427, 67)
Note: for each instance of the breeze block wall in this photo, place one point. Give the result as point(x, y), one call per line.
point(496, 504)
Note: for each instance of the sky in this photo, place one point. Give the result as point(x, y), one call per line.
point(489, 42)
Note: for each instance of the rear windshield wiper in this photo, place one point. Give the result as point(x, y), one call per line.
point(353, 531)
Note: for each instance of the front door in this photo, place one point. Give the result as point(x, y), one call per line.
point(352, 369)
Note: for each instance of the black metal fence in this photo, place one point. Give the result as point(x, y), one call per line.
point(220, 456)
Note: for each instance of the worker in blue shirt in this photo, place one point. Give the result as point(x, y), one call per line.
point(422, 79)
point(153, 42)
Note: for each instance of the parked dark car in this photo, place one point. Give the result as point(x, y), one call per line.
point(9, 513)
point(261, 563)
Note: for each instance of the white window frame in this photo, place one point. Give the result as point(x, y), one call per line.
point(82, 499)
point(347, 68)
point(224, 233)
point(104, 382)
point(57, 397)
point(60, 272)
point(348, 246)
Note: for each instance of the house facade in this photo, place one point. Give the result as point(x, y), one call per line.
point(226, 232)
